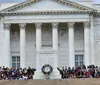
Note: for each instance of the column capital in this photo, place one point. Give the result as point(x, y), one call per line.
point(38, 25)
point(7, 25)
point(55, 24)
point(22, 25)
point(86, 24)
point(71, 24)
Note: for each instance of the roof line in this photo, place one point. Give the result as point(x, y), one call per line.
point(27, 2)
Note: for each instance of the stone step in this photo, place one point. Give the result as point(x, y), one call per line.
point(52, 82)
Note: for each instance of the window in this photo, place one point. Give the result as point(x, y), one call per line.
point(15, 62)
point(79, 60)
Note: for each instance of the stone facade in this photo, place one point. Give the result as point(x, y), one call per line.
point(49, 31)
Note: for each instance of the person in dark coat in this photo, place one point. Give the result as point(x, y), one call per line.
point(61, 72)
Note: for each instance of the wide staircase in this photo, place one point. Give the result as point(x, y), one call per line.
point(52, 82)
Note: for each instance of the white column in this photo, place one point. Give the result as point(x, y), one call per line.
point(38, 36)
point(71, 44)
point(7, 56)
point(92, 40)
point(0, 49)
point(38, 43)
point(1, 42)
point(55, 42)
point(55, 36)
point(22, 45)
point(56, 73)
point(86, 44)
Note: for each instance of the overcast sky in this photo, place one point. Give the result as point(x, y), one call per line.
point(94, 1)
point(10, 0)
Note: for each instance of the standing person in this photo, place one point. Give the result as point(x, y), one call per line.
point(84, 71)
point(66, 74)
point(69, 72)
point(61, 72)
point(73, 72)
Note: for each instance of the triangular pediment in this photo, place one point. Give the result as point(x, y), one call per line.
point(43, 5)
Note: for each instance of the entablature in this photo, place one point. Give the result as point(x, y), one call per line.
point(46, 18)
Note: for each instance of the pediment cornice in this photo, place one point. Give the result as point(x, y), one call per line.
point(28, 2)
point(48, 12)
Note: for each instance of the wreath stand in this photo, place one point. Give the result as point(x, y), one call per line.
point(47, 77)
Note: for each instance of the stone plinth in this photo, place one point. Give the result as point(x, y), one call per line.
point(47, 57)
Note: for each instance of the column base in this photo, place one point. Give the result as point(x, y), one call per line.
point(54, 75)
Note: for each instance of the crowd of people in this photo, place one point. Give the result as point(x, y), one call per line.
point(22, 74)
point(80, 72)
point(19, 74)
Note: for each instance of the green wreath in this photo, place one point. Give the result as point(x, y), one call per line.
point(47, 69)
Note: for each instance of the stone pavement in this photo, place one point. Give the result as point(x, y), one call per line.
point(52, 82)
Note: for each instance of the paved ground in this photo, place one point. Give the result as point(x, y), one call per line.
point(52, 82)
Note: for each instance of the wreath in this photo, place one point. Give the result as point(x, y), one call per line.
point(47, 69)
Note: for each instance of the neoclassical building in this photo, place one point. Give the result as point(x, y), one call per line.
point(55, 32)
